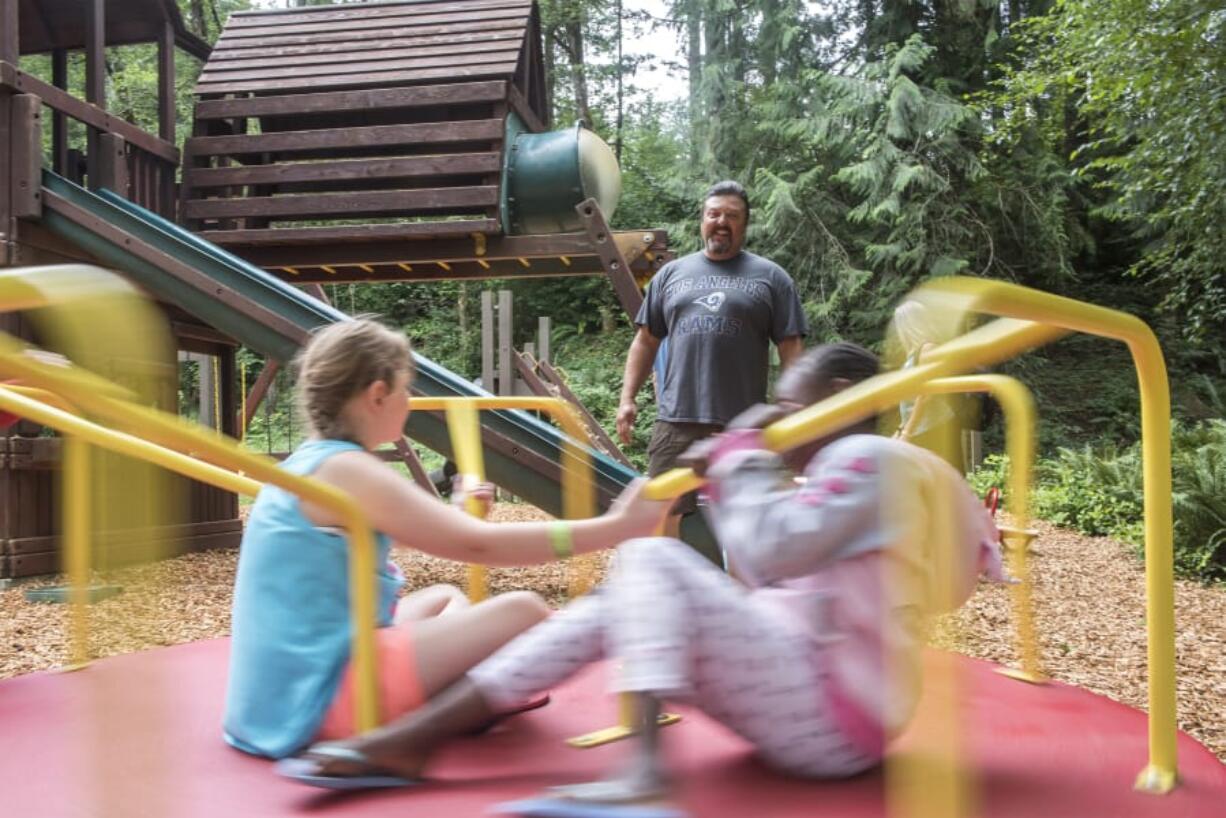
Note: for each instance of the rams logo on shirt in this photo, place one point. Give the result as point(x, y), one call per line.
point(712, 301)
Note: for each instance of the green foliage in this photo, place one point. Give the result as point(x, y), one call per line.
point(1134, 90)
point(592, 365)
point(1098, 490)
point(992, 473)
point(1094, 491)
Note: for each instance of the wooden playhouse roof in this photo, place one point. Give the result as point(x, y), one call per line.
point(54, 24)
point(378, 45)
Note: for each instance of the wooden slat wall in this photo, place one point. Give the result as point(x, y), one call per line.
point(342, 114)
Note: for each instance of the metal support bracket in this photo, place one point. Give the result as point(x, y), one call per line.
point(616, 267)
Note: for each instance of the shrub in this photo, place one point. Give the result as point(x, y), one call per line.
point(1099, 491)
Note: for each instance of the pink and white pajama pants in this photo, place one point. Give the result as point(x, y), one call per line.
point(683, 630)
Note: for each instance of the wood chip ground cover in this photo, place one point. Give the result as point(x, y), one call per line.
point(1089, 592)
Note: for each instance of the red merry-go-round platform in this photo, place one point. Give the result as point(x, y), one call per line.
point(139, 735)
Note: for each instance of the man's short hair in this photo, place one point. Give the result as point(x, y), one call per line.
point(728, 188)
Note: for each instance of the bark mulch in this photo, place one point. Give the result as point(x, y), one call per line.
point(1089, 592)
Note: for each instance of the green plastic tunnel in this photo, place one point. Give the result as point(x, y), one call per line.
point(547, 174)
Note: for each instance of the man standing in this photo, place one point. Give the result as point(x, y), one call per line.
point(720, 308)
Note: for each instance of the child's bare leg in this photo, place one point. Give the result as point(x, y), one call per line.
point(404, 746)
point(434, 600)
point(532, 663)
point(649, 628)
point(447, 647)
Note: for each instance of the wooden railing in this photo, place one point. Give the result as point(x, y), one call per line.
point(136, 164)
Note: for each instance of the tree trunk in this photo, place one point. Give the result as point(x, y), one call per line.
point(550, 35)
point(715, 73)
point(693, 30)
point(574, 38)
point(198, 25)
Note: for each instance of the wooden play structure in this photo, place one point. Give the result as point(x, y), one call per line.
point(409, 141)
point(404, 121)
point(400, 141)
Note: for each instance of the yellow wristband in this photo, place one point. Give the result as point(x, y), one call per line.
point(560, 539)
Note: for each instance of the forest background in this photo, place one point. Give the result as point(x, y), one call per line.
point(1068, 145)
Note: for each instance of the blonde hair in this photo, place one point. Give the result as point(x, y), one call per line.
point(916, 326)
point(339, 362)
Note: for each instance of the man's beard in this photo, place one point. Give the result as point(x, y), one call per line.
point(719, 243)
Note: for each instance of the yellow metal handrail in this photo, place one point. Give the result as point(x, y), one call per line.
point(155, 425)
point(1030, 319)
point(141, 449)
point(119, 321)
point(1017, 405)
point(578, 488)
point(1010, 300)
point(49, 410)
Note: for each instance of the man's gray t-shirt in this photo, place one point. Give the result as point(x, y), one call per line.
point(719, 318)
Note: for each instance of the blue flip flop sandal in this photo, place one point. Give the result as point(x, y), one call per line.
point(567, 808)
point(309, 771)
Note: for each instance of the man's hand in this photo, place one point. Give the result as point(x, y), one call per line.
point(639, 359)
point(627, 412)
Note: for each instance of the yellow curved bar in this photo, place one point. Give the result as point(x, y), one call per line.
point(76, 515)
point(46, 409)
point(985, 345)
point(76, 496)
point(1017, 402)
point(1031, 318)
point(32, 403)
point(578, 489)
point(152, 425)
point(1014, 301)
point(466, 442)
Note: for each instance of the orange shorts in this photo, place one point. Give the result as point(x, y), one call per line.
point(399, 686)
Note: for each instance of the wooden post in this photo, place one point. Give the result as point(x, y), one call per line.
point(10, 52)
point(487, 341)
point(78, 165)
point(506, 371)
point(523, 363)
point(26, 168)
point(413, 463)
point(259, 389)
point(166, 83)
point(10, 27)
point(95, 78)
point(204, 365)
point(316, 290)
point(611, 257)
point(59, 122)
point(165, 176)
point(111, 168)
point(602, 439)
point(227, 367)
point(544, 330)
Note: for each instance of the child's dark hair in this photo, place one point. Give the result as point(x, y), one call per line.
point(809, 377)
point(820, 365)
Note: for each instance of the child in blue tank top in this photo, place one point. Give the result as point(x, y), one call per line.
point(289, 681)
